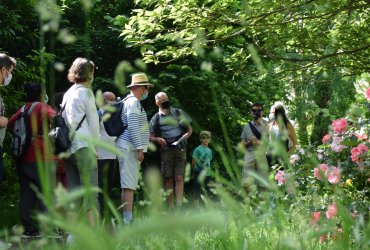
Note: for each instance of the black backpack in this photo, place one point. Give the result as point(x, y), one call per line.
point(60, 134)
point(114, 124)
point(22, 133)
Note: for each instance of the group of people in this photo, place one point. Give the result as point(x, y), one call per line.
point(278, 132)
point(90, 166)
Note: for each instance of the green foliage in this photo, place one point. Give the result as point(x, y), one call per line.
point(214, 58)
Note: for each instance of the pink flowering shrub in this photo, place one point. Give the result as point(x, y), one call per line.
point(315, 218)
point(359, 152)
point(326, 138)
point(322, 169)
point(336, 145)
point(367, 94)
point(339, 126)
point(331, 211)
point(281, 177)
point(333, 175)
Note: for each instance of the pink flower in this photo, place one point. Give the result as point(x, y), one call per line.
point(361, 137)
point(339, 125)
point(281, 177)
point(326, 138)
point(323, 168)
point(336, 144)
point(333, 175)
point(358, 152)
point(367, 94)
point(323, 238)
point(331, 211)
point(315, 218)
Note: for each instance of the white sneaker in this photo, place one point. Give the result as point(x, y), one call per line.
point(70, 239)
point(4, 245)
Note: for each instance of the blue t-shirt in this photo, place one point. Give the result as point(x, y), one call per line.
point(203, 157)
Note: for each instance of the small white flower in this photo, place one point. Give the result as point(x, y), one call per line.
point(320, 156)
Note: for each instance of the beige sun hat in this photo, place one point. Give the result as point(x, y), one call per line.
point(139, 79)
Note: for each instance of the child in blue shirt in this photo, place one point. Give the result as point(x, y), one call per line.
point(202, 157)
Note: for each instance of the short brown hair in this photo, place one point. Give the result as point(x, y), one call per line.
point(6, 61)
point(81, 70)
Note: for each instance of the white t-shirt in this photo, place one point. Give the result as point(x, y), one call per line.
point(104, 154)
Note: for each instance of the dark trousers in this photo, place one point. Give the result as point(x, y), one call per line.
point(198, 185)
point(1, 166)
point(29, 180)
point(106, 178)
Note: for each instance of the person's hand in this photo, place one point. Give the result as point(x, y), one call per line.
point(140, 155)
point(255, 141)
point(161, 141)
point(3, 121)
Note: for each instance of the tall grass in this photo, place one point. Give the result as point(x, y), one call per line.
point(262, 218)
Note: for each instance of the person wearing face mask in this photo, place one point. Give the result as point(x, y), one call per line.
point(107, 160)
point(80, 114)
point(255, 156)
point(133, 142)
point(281, 129)
point(7, 65)
point(28, 166)
point(170, 128)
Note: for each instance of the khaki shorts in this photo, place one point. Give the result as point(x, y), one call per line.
point(173, 161)
point(129, 167)
point(256, 163)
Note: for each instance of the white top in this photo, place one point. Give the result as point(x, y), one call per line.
point(79, 101)
point(104, 154)
point(136, 136)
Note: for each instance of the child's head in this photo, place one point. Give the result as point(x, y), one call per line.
point(205, 137)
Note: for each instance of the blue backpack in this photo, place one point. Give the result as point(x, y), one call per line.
point(114, 124)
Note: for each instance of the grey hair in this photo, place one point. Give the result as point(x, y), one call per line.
point(158, 95)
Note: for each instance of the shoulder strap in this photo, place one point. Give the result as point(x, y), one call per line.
point(79, 125)
point(255, 131)
point(33, 105)
point(177, 111)
point(157, 129)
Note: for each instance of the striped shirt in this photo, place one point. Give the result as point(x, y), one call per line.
point(136, 136)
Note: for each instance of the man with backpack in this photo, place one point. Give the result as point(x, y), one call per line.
point(170, 128)
point(34, 155)
point(133, 142)
point(255, 156)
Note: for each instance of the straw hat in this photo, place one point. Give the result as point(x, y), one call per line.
point(139, 79)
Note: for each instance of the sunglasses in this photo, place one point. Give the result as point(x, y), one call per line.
point(255, 110)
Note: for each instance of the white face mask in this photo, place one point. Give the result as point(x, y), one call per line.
point(7, 79)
